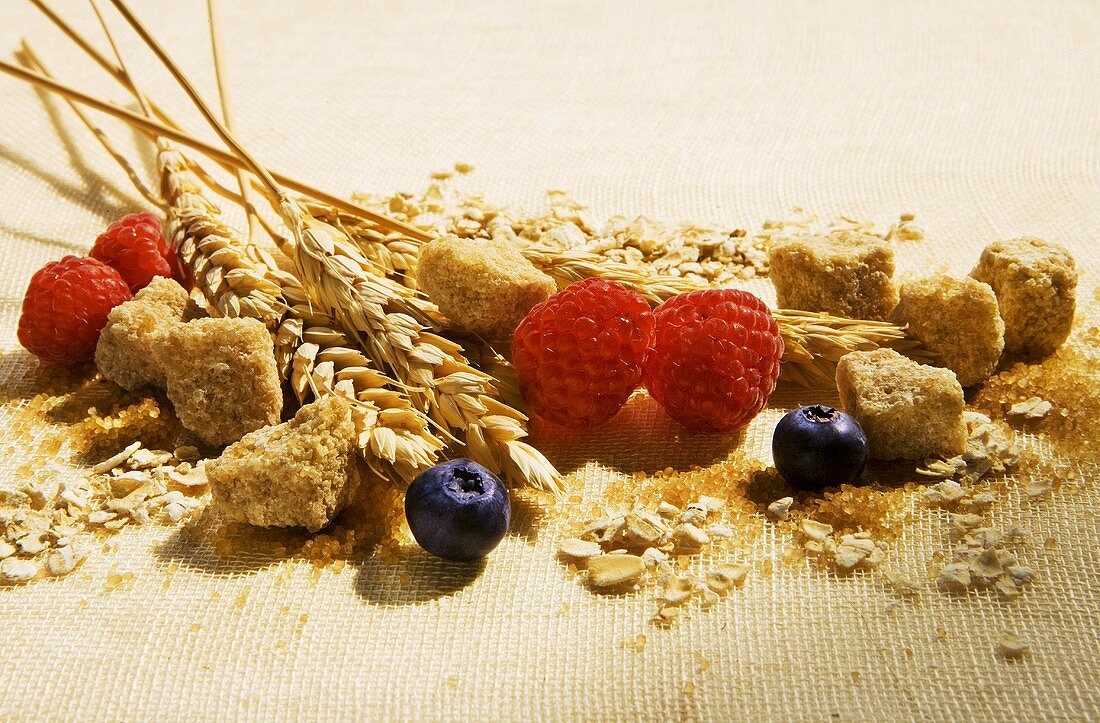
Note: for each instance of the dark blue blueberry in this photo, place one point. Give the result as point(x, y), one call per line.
point(458, 510)
point(818, 446)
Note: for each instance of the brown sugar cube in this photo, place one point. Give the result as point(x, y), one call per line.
point(131, 346)
point(845, 273)
point(958, 319)
point(297, 474)
point(907, 410)
point(1036, 287)
point(221, 378)
point(486, 287)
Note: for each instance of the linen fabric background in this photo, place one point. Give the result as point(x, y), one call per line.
point(981, 117)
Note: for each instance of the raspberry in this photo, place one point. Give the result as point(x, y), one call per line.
point(580, 353)
point(135, 246)
point(66, 306)
point(715, 358)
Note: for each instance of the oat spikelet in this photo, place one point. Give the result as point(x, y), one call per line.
point(233, 283)
point(375, 311)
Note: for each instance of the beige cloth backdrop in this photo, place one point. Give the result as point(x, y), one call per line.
point(981, 117)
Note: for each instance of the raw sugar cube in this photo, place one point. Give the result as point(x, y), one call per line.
point(845, 273)
point(222, 379)
point(486, 287)
point(1036, 286)
point(907, 410)
point(958, 319)
point(130, 351)
point(297, 474)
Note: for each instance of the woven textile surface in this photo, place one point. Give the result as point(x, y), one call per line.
point(980, 117)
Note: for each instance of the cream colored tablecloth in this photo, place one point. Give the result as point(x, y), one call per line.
point(981, 117)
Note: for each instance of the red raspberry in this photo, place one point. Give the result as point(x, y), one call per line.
point(66, 306)
point(715, 359)
point(135, 246)
point(580, 353)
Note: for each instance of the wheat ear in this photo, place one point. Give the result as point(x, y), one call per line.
point(440, 380)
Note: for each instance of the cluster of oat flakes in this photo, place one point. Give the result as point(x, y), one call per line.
point(626, 551)
point(700, 253)
point(43, 526)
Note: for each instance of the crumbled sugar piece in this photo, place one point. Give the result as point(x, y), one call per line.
point(816, 530)
point(1031, 408)
point(126, 483)
point(299, 473)
point(902, 583)
point(100, 516)
point(955, 575)
point(781, 508)
point(847, 273)
point(852, 551)
point(1036, 286)
point(1012, 646)
point(981, 560)
point(1021, 573)
point(6, 549)
point(906, 229)
point(485, 286)
point(964, 522)
point(132, 346)
point(64, 560)
point(644, 528)
point(956, 318)
point(614, 570)
point(111, 462)
point(222, 378)
point(13, 569)
point(580, 549)
point(654, 557)
point(147, 459)
point(907, 410)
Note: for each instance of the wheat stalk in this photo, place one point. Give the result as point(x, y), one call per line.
point(233, 283)
point(815, 342)
point(440, 380)
point(336, 276)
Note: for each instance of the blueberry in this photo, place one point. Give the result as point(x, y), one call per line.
point(818, 446)
point(457, 510)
